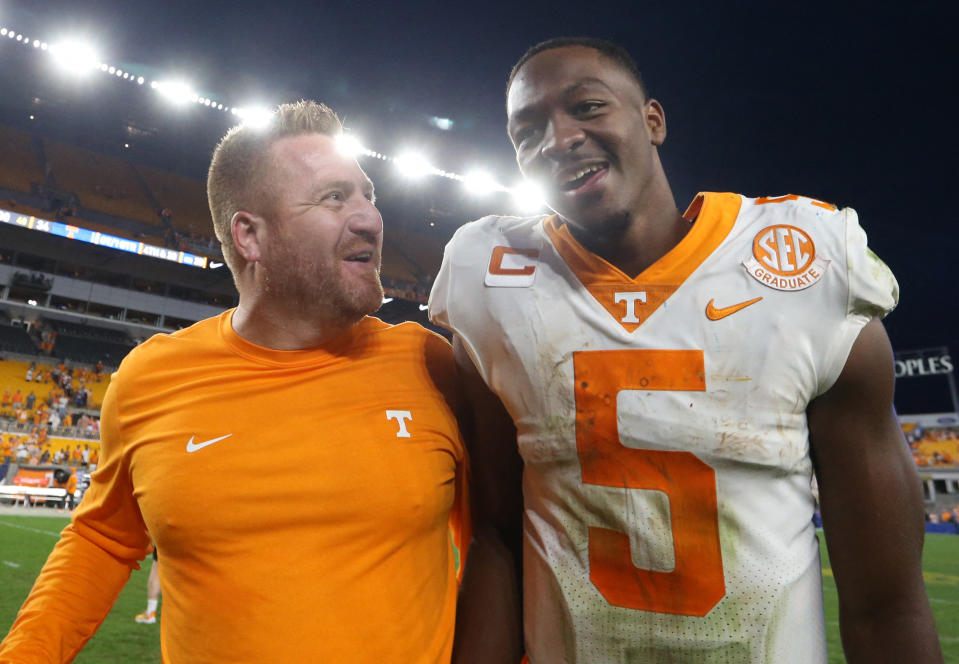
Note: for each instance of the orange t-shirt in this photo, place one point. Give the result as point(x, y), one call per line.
point(301, 502)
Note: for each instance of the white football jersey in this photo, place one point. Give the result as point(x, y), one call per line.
point(662, 422)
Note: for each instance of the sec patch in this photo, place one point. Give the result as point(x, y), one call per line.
point(784, 257)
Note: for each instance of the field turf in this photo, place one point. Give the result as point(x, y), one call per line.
point(25, 542)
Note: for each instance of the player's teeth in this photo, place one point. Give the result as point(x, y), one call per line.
point(583, 171)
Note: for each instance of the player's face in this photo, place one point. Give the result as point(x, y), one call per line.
point(325, 238)
point(583, 131)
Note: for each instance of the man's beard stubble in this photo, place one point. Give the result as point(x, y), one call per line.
point(318, 287)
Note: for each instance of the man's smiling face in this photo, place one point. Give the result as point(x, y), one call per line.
point(584, 131)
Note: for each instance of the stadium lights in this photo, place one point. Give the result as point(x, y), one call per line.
point(528, 197)
point(177, 92)
point(256, 117)
point(445, 124)
point(413, 165)
point(82, 58)
point(349, 145)
point(481, 183)
point(75, 56)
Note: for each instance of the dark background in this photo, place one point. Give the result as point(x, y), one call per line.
point(844, 102)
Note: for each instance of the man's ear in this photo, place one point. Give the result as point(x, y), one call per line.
point(247, 230)
point(656, 122)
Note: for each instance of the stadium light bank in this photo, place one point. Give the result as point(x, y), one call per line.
point(80, 57)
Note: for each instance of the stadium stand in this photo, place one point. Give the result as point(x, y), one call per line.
point(183, 197)
point(100, 182)
point(20, 166)
point(424, 253)
point(15, 339)
point(934, 446)
point(90, 350)
point(13, 377)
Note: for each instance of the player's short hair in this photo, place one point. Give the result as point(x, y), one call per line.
point(238, 178)
point(612, 51)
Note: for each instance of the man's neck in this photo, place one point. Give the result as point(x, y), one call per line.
point(647, 234)
point(269, 326)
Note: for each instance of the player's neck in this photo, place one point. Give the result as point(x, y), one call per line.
point(647, 233)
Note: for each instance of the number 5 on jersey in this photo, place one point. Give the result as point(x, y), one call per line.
point(696, 584)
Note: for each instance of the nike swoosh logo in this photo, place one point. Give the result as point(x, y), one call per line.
point(193, 447)
point(713, 313)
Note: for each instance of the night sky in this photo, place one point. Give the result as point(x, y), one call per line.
point(844, 103)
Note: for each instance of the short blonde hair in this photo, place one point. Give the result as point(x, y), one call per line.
point(238, 177)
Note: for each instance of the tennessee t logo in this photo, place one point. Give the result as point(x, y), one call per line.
point(630, 300)
point(400, 416)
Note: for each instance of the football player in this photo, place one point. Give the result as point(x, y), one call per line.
point(675, 380)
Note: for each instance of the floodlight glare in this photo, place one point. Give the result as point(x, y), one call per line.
point(349, 145)
point(177, 92)
point(74, 56)
point(255, 116)
point(441, 123)
point(480, 183)
point(413, 165)
point(528, 197)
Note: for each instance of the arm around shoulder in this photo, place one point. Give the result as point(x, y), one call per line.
point(489, 626)
point(872, 510)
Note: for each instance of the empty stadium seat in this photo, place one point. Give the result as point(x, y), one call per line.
point(15, 339)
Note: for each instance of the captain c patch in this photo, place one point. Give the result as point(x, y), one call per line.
point(511, 267)
point(784, 258)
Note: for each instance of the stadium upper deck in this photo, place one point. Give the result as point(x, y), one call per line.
point(146, 211)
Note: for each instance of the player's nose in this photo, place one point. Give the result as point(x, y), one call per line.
point(563, 135)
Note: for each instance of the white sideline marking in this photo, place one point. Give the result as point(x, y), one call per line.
point(10, 563)
point(32, 530)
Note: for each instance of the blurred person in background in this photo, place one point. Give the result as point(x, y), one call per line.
point(149, 616)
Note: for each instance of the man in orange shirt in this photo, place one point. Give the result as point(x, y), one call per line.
point(297, 462)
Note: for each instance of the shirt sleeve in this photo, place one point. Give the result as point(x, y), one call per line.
point(89, 565)
point(439, 312)
point(442, 370)
point(871, 292)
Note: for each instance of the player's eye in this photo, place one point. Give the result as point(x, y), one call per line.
point(587, 107)
point(524, 133)
point(334, 196)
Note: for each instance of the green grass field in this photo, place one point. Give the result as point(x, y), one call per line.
point(25, 542)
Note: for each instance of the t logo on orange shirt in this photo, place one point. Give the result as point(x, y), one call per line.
point(400, 416)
